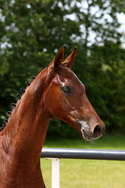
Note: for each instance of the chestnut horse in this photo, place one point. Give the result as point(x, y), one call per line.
point(55, 92)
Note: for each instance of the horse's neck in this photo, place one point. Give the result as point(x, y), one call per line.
point(27, 126)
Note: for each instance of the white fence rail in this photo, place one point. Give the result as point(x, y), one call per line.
point(56, 154)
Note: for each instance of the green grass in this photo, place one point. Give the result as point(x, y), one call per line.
point(87, 173)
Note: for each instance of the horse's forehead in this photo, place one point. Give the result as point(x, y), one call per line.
point(69, 75)
point(66, 73)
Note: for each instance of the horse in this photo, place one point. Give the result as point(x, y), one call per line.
point(55, 92)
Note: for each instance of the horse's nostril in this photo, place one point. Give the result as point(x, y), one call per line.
point(97, 130)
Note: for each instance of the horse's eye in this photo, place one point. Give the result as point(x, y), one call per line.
point(66, 89)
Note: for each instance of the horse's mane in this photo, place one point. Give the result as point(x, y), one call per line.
point(19, 96)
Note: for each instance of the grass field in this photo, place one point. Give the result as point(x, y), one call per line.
point(87, 173)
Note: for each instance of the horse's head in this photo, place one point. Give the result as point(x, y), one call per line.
point(65, 98)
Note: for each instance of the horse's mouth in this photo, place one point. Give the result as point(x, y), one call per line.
point(86, 136)
point(85, 130)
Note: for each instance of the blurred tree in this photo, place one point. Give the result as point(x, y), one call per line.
point(31, 32)
point(108, 67)
point(98, 20)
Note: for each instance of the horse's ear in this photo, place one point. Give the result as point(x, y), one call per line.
point(68, 62)
point(59, 57)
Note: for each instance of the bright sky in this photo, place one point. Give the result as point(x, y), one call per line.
point(121, 18)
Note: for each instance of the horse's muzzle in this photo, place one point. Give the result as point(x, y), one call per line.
point(89, 134)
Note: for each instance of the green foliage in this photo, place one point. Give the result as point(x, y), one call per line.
point(111, 80)
point(31, 33)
